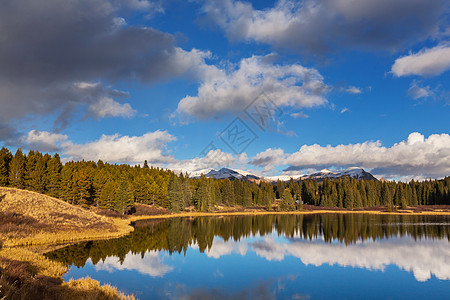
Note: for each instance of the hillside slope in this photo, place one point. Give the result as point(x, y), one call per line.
point(31, 218)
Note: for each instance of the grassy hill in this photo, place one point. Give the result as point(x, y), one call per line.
point(29, 218)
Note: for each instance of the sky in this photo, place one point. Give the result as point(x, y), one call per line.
point(273, 88)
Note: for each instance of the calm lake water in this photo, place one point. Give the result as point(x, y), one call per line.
point(273, 257)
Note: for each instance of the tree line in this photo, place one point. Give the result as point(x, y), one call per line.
point(118, 187)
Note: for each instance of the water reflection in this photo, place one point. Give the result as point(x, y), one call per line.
point(151, 263)
point(244, 252)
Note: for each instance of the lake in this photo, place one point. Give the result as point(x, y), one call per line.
point(320, 256)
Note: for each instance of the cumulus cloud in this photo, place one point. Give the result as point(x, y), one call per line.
point(416, 91)
point(110, 148)
point(269, 159)
point(232, 91)
point(426, 62)
point(317, 26)
point(59, 57)
point(123, 149)
point(213, 159)
point(107, 107)
point(43, 140)
point(416, 156)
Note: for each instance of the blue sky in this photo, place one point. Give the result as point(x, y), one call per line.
point(346, 83)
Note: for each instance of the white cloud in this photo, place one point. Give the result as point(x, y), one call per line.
point(109, 148)
point(269, 159)
point(316, 26)
point(43, 140)
point(353, 90)
point(416, 156)
point(417, 92)
point(299, 115)
point(344, 110)
point(231, 91)
point(426, 62)
point(123, 149)
point(213, 159)
point(107, 107)
point(152, 264)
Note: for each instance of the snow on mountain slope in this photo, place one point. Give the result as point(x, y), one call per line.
point(354, 172)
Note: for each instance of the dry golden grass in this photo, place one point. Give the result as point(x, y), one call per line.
point(28, 218)
point(90, 289)
point(36, 219)
point(40, 264)
point(47, 209)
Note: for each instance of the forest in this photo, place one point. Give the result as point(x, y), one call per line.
point(118, 186)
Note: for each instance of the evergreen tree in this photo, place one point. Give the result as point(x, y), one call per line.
point(53, 176)
point(123, 197)
point(108, 195)
point(175, 193)
point(387, 197)
point(17, 170)
point(287, 202)
point(227, 193)
point(349, 198)
point(5, 160)
point(84, 187)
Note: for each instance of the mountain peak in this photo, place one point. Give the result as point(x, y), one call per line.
point(231, 174)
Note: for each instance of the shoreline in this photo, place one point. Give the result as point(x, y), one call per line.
point(60, 238)
point(300, 212)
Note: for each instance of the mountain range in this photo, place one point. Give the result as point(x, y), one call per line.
point(353, 172)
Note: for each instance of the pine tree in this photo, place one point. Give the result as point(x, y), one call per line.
point(349, 197)
point(5, 160)
point(67, 188)
point(202, 195)
point(36, 173)
point(175, 193)
point(287, 202)
point(227, 193)
point(124, 198)
point(100, 178)
point(247, 198)
point(84, 187)
point(108, 195)
point(386, 196)
point(17, 170)
point(187, 191)
point(53, 176)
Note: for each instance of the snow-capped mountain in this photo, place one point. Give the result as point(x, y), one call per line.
point(230, 174)
point(283, 177)
point(354, 172)
point(223, 173)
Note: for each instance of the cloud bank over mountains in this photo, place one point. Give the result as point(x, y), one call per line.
point(416, 157)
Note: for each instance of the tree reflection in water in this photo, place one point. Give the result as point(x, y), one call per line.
point(178, 234)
